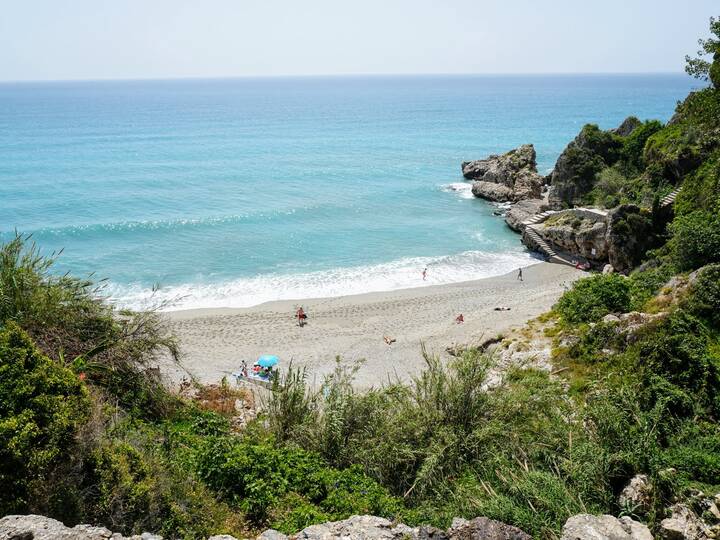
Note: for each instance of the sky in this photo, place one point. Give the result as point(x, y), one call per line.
point(138, 39)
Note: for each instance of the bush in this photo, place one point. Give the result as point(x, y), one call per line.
point(42, 405)
point(705, 299)
point(592, 298)
point(258, 477)
point(696, 239)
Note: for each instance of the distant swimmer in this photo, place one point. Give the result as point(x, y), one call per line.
point(519, 276)
point(460, 319)
point(424, 273)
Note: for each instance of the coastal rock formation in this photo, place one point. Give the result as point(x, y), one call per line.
point(619, 237)
point(522, 211)
point(508, 177)
point(575, 171)
point(575, 234)
point(586, 526)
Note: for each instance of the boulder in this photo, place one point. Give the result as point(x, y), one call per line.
point(508, 177)
point(270, 534)
point(34, 527)
point(483, 528)
point(637, 494)
point(522, 211)
point(683, 524)
point(492, 192)
point(589, 527)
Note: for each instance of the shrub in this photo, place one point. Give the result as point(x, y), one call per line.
point(42, 405)
point(258, 477)
point(696, 239)
point(592, 298)
point(634, 144)
point(705, 299)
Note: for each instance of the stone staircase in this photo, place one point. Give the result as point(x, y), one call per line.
point(669, 199)
point(544, 246)
point(537, 218)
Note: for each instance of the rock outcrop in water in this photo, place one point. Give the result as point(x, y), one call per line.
point(508, 177)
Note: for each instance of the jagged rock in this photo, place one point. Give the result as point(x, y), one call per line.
point(610, 318)
point(354, 528)
point(34, 527)
point(522, 211)
point(636, 495)
point(682, 524)
point(577, 236)
point(608, 269)
point(627, 127)
point(589, 527)
point(492, 192)
point(270, 534)
point(229, 537)
point(577, 166)
point(508, 177)
point(483, 528)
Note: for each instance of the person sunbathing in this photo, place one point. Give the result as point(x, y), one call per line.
point(389, 340)
point(460, 319)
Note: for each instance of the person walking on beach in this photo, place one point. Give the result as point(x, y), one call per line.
point(519, 276)
point(301, 316)
point(424, 273)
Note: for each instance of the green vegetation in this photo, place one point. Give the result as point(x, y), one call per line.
point(88, 433)
point(593, 298)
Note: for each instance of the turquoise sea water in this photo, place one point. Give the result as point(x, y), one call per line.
point(235, 192)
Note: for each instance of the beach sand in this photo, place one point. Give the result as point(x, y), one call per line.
point(215, 341)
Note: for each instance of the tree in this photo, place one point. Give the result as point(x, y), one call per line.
point(703, 69)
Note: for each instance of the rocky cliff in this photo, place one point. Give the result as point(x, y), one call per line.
point(508, 177)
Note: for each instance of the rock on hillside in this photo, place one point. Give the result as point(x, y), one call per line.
point(586, 526)
point(33, 527)
point(508, 177)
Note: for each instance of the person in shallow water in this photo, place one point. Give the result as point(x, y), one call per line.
point(301, 316)
point(424, 274)
point(519, 276)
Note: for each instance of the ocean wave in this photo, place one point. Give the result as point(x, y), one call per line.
point(463, 189)
point(168, 224)
point(246, 292)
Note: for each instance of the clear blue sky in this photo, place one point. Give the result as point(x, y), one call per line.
point(98, 39)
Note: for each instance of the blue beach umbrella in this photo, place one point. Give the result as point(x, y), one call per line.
point(267, 360)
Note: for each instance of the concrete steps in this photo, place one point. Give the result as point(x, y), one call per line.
point(669, 198)
point(537, 218)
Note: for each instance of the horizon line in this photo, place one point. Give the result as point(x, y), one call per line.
point(342, 75)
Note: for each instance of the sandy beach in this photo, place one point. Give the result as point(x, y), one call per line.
point(215, 341)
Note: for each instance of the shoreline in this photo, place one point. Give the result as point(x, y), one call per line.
point(214, 341)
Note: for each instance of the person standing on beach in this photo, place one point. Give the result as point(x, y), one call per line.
point(424, 273)
point(519, 276)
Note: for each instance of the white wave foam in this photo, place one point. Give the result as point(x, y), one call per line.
point(463, 189)
point(246, 292)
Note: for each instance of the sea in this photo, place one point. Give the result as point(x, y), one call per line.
point(233, 192)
